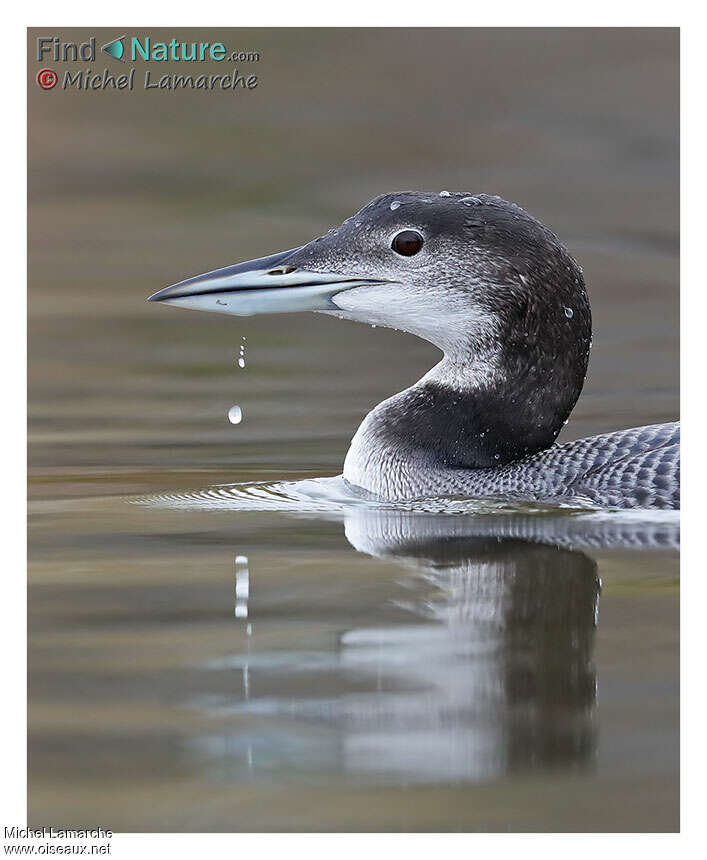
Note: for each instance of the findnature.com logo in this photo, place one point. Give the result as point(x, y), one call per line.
point(139, 49)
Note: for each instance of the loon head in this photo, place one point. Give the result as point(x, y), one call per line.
point(473, 274)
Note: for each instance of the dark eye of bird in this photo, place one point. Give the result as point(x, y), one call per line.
point(407, 243)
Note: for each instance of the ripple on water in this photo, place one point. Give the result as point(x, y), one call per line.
point(365, 517)
point(321, 495)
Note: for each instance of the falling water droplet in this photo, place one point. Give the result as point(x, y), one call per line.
point(444, 194)
point(235, 414)
point(241, 354)
point(569, 313)
point(395, 205)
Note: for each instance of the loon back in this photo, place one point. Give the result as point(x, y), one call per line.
point(635, 468)
point(506, 304)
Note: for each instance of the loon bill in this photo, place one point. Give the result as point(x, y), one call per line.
point(506, 304)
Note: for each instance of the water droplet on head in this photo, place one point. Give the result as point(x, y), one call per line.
point(235, 414)
point(470, 201)
point(395, 205)
point(569, 313)
point(444, 194)
point(496, 456)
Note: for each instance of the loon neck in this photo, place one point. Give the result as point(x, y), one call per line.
point(474, 414)
point(465, 372)
point(463, 414)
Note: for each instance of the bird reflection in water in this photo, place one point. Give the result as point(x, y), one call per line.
point(491, 674)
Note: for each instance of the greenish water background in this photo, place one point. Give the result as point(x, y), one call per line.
point(129, 606)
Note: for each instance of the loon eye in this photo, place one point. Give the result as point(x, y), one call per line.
point(407, 243)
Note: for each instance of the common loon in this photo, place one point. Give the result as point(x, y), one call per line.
point(505, 302)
